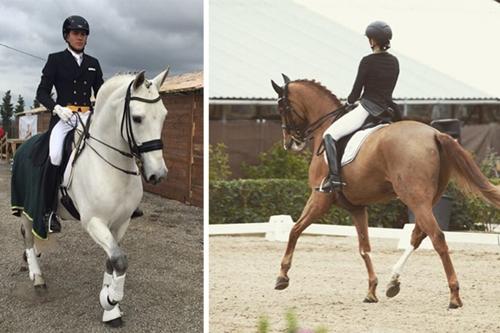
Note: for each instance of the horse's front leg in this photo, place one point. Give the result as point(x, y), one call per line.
point(317, 204)
point(360, 220)
point(30, 255)
point(116, 267)
point(113, 317)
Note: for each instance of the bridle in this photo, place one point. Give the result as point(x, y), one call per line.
point(135, 150)
point(304, 132)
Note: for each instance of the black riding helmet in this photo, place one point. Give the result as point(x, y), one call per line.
point(381, 32)
point(75, 22)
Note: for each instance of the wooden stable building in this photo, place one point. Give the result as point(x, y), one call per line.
point(183, 139)
point(182, 136)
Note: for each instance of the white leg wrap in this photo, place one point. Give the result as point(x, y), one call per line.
point(398, 268)
point(114, 313)
point(113, 293)
point(107, 279)
point(116, 288)
point(32, 263)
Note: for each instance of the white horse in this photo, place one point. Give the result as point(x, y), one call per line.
point(106, 186)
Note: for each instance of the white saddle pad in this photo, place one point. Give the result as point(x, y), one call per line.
point(355, 143)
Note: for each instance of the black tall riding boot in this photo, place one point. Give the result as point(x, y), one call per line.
point(50, 187)
point(332, 182)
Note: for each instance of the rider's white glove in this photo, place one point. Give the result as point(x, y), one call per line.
point(63, 113)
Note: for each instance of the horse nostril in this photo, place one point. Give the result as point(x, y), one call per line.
point(152, 179)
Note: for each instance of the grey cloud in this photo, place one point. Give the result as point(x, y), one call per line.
point(125, 36)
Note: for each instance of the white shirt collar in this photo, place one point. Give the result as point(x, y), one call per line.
point(78, 56)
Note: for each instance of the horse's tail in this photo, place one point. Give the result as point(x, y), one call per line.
point(466, 172)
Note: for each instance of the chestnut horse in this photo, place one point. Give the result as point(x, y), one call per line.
point(406, 160)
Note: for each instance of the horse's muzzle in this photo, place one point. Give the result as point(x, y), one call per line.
point(156, 177)
point(293, 144)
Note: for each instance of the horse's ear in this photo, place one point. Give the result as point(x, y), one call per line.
point(285, 78)
point(139, 79)
point(160, 78)
point(277, 88)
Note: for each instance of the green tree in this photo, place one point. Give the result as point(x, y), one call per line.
point(6, 111)
point(36, 104)
point(218, 163)
point(20, 104)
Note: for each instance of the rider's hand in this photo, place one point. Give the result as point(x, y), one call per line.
point(63, 113)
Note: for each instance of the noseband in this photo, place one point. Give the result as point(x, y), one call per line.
point(302, 134)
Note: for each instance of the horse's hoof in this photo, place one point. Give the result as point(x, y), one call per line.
point(281, 283)
point(117, 322)
point(42, 286)
point(370, 299)
point(454, 305)
point(392, 289)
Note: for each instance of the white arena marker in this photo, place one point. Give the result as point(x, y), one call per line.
point(451, 237)
point(279, 228)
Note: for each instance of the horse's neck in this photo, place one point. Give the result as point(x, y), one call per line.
point(105, 126)
point(315, 110)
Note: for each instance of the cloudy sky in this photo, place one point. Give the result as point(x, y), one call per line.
point(456, 37)
point(124, 36)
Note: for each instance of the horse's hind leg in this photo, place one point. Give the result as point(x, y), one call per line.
point(35, 272)
point(360, 219)
point(113, 284)
point(417, 237)
point(428, 224)
point(316, 206)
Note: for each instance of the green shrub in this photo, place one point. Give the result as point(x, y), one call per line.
point(218, 168)
point(279, 163)
point(255, 200)
point(472, 213)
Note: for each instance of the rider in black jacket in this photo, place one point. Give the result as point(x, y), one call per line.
point(375, 82)
point(75, 76)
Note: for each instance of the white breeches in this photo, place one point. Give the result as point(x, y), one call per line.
point(59, 133)
point(348, 123)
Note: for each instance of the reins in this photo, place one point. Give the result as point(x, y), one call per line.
point(305, 134)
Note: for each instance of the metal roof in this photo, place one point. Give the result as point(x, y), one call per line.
point(252, 42)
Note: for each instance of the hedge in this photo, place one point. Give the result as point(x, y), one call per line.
point(255, 200)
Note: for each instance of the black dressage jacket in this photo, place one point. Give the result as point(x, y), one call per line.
point(73, 83)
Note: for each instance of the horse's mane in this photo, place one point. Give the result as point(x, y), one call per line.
point(318, 86)
point(125, 73)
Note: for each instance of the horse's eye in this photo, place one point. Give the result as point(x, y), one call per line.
point(137, 119)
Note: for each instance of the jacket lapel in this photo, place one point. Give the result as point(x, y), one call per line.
point(71, 61)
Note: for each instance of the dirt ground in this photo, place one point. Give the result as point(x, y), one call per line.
point(163, 289)
point(328, 282)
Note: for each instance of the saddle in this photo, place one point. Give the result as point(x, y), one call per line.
point(52, 176)
point(370, 122)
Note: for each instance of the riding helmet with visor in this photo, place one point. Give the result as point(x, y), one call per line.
point(75, 22)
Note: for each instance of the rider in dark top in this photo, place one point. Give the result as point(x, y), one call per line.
point(375, 82)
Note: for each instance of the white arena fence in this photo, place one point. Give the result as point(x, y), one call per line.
point(278, 229)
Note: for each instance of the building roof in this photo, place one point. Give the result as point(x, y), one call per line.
point(183, 83)
point(252, 42)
